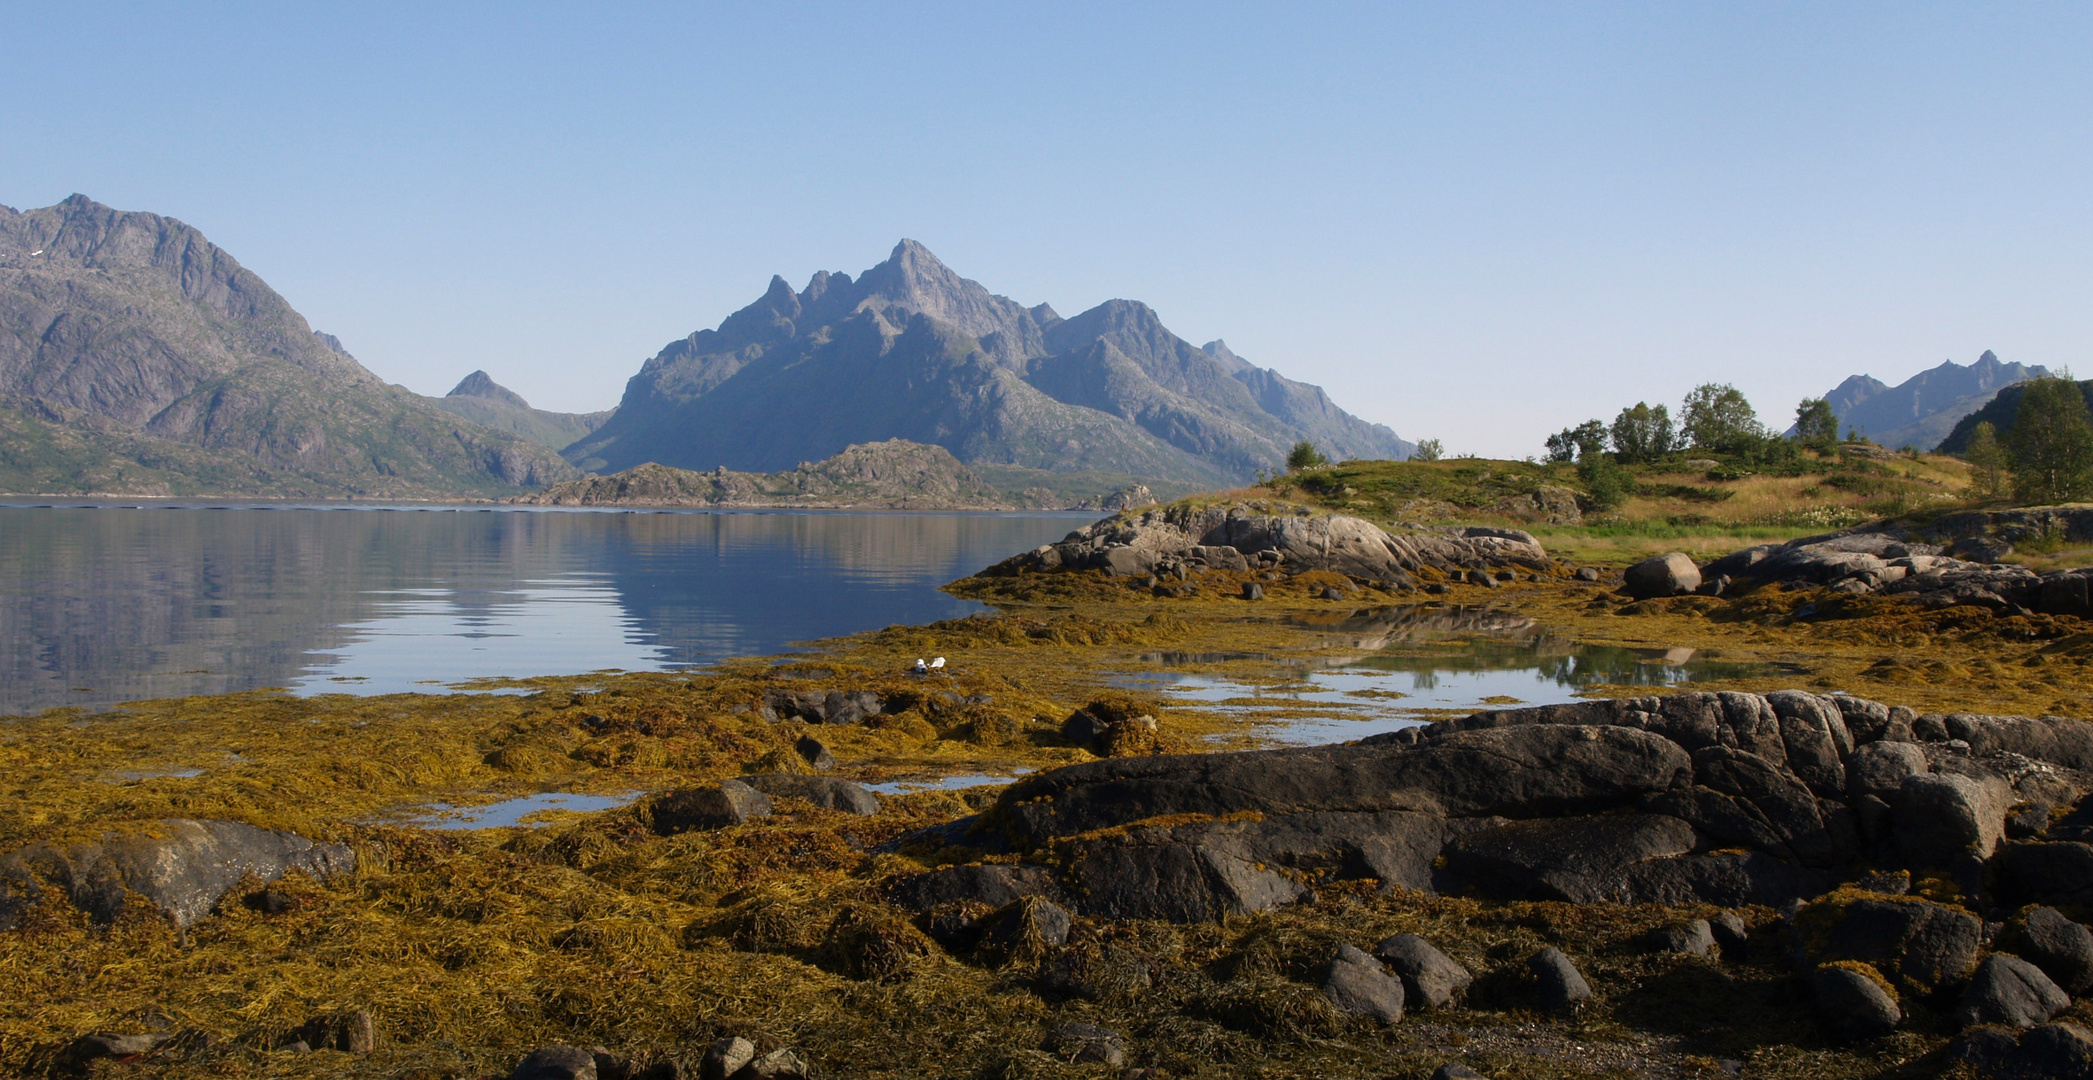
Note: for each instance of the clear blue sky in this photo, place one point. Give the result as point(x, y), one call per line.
point(1476, 222)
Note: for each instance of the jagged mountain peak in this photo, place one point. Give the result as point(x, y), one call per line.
point(479, 384)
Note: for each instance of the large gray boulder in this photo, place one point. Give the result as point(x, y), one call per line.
point(180, 866)
point(1531, 771)
point(1431, 979)
point(1356, 983)
point(2008, 990)
point(1852, 1004)
point(1664, 575)
point(2061, 948)
point(711, 806)
point(1240, 535)
point(1557, 982)
point(1940, 816)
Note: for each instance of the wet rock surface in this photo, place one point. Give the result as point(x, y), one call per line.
point(826, 792)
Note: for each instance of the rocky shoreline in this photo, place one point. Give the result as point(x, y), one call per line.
point(1750, 882)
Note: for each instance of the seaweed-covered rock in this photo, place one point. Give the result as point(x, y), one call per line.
point(1081, 1043)
point(1924, 942)
point(181, 866)
point(1356, 984)
point(712, 806)
point(2061, 948)
point(1454, 1070)
point(1557, 982)
point(1853, 1004)
point(824, 791)
point(556, 1063)
point(2008, 990)
point(1431, 979)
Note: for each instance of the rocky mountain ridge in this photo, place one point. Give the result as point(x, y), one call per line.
point(1922, 410)
point(911, 350)
point(141, 358)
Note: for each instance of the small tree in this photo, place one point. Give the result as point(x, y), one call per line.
point(1815, 424)
point(1304, 455)
point(1428, 450)
point(1642, 433)
point(2052, 440)
point(1606, 484)
point(1989, 463)
point(1716, 417)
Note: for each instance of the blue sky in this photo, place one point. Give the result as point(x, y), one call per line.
point(1476, 222)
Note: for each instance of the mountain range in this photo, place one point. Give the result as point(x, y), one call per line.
point(1922, 410)
point(911, 350)
point(137, 357)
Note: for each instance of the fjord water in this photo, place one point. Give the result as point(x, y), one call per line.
point(100, 605)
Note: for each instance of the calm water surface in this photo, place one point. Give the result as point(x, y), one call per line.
point(100, 605)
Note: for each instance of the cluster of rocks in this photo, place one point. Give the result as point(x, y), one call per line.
point(1181, 541)
point(181, 866)
point(1828, 805)
point(732, 1058)
point(1881, 560)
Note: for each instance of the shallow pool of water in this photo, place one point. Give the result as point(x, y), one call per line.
point(1381, 669)
point(942, 783)
point(508, 812)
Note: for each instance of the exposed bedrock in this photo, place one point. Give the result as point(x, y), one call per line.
point(1255, 535)
point(1953, 560)
point(1723, 798)
point(181, 867)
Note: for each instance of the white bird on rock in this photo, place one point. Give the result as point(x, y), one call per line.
point(937, 663)
point(921, 668)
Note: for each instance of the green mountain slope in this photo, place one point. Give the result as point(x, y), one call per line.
point(137, 357)
point(911, 350)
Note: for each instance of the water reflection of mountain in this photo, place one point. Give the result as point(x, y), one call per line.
point(135, 603)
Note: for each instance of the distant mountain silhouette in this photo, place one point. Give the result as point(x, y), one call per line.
point(480, 399)
point(911, 350)
point(141, 358)
point(1923, 409)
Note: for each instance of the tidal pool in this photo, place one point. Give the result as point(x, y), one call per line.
point(1386, 668)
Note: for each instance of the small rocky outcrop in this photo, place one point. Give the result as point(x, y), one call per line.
point(1182, 540)
point(1085, 1043)
point(1557, 982)
point(2061, 948)
point(181, 866)
point(1854, 1002)
point(2055, 1051)
point(826, 792)
point(1953, 560)
point(711, 806)
point(1431, 979)
point(1356, 983)
point(2008, 990)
